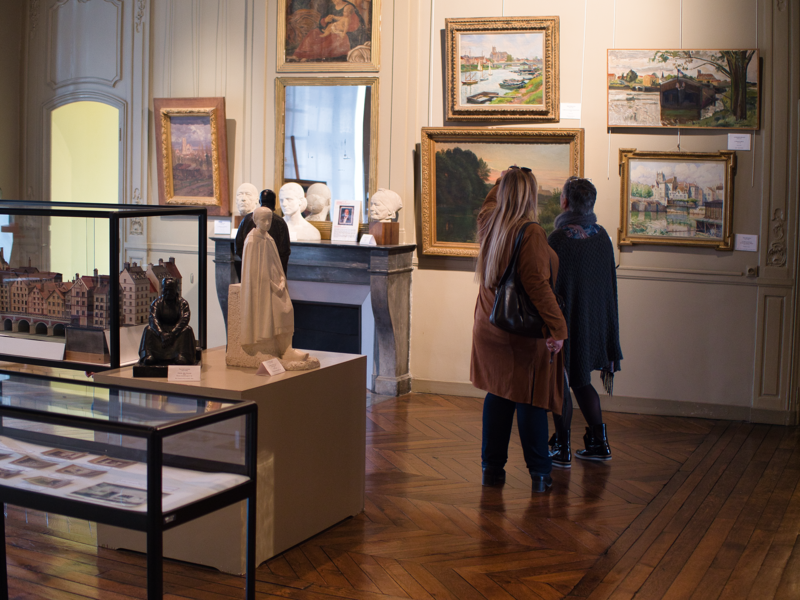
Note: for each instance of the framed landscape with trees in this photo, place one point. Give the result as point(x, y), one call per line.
point(502, 69)
point(705, 89)
point(460, 166)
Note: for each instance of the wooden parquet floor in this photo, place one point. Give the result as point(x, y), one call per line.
point(688, 508)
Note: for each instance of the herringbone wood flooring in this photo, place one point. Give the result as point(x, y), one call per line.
point(687, 508)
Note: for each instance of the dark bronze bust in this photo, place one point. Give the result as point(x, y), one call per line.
point(168, 339)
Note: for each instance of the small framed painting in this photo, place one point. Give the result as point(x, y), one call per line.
point(192, 155)
point(460, 166)
point(677, 198)
point(502, 69)
point(698, 89)
point(345, 222)
point(329, 35)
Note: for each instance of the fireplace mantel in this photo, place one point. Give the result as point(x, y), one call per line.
point(387, 272)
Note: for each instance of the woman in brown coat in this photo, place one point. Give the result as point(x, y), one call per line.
point(520, 374)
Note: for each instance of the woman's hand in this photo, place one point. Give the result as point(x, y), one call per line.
point(554, 345)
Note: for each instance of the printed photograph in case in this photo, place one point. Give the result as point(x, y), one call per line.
point(63, 454)
point(115, 463)
point(48, 482)
point(9, 473)
point(30, 462)
point(115, 494)
point(80, 471)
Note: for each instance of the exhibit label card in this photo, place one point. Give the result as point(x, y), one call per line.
point(183, 373)
point(270, 367)
point(746, 243)
point(346, 217)
point(222, 227)
point(367, 240)
point(738, 141)
point(570, 110)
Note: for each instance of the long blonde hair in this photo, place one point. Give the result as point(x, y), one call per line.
point(516, 204)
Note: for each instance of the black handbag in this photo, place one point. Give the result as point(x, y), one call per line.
point(513, 309)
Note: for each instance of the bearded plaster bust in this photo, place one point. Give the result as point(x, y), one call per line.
point(319, 202)
point(246, 199)
point(293, 203)
point(383, 205)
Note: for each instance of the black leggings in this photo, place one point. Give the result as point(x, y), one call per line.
point(589, 403)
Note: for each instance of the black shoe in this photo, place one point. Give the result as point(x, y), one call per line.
point(560, 451)
point(540, 482)
point(596, 442)
point(493, 476)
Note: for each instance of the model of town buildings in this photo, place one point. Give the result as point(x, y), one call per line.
point(33, 301)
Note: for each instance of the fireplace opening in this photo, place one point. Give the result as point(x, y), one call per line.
point(327, 326)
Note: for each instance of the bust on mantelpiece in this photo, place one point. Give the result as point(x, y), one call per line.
point(246, 199)
point(383, 207)
point(293, 203)
point(319, 202)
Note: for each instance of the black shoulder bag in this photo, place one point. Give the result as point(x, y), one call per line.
point(513, 309)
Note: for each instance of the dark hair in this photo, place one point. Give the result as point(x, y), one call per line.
point(581, 195)
point(267, 199)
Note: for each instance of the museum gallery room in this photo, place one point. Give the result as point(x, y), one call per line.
point(422, 299)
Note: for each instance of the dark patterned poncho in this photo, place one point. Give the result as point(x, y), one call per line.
point(587, 281)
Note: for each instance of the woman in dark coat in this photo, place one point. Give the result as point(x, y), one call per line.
point(587, 282)
point(520, 374)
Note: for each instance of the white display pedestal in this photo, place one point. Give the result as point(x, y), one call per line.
point(311, 458)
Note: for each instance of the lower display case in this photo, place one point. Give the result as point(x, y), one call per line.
point(311, 458)
point(125, 458)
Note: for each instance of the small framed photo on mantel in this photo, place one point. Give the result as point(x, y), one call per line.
point(346, 219)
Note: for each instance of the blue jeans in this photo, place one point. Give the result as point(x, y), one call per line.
point(498, 416)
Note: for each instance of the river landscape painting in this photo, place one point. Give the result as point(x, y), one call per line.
point(461, 172)
point(502, 68)
point(677, 197)
point(683, 88)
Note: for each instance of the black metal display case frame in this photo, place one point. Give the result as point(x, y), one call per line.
point(154, 521)
point(115, 213)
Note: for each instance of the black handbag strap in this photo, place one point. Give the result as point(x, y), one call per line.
point(512, 264)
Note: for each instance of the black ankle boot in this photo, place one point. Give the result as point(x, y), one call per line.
point(493, 476)
point(560, 450)
point(596, 442)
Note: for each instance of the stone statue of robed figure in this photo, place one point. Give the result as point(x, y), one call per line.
point(260, 312)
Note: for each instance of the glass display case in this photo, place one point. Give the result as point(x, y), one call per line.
point(142, 461)
point(77, 280)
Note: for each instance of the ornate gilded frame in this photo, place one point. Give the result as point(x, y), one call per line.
point(166, 108)
point(374, 50)
point(281, 83)
point(433, 135)
point(627, 238)
point(548, 112)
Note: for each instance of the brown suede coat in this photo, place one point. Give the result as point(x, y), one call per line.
point(511, 366)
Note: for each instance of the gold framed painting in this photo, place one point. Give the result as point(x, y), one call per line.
point(460, 166)
point(329, 35)
point(502, 69)
point(192, 156)
point(677, 198)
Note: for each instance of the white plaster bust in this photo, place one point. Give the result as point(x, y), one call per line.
point(319, 202)
point(383, 205)
point(293, 203)
point(246, 199)
point(261, 324)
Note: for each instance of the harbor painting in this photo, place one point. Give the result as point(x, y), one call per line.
point(462, 172)
point(502, 68)
point(683, 88)
point(677, 199)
